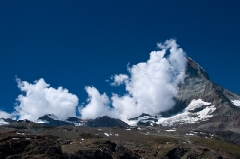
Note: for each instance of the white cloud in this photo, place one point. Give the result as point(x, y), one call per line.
point(150, 88)
point(98, 104)
point(119, 79)
point(4, 114)
point(41, 99)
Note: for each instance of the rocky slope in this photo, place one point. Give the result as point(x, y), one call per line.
point(200, 104)
point(29, 140)
point(199, 86)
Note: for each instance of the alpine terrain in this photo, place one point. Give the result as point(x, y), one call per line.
point(204, 123)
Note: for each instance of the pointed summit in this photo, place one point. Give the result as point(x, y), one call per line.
point(197, 85)
point(200, 104)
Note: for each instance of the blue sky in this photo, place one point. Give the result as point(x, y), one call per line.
point(74, 44)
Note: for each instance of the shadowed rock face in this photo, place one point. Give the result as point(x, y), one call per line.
point(52, 122)
point(35, 146)
point(176, 153)
point(106, 122)
point(98, 122)
point(197, 85)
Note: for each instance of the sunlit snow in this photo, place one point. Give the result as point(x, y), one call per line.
point(186, 116)
point(236, 102)
point(42, 121)
point(170, 130)
point(143, 119)
point(2, 122)
point(106, 134)
point(196, 104)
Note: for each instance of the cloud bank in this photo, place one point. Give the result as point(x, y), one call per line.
point(150, 86)
point(41, 99)
point(4, 114)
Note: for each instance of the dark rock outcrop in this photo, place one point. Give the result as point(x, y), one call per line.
point(29, 146)
point(229, 136)
point(49, 121)
point(106, 121)
point(8, 120)
point(176, 153)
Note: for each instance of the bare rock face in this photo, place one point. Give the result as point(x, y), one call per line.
point(176, 153)
point(106, 121)
point(29, 146)
point(197, 85)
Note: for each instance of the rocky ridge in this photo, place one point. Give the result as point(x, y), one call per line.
point(219, 114)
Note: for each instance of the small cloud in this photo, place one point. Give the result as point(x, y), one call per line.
point(119, 79)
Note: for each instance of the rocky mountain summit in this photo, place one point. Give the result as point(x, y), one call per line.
point(199, 86)
point(199, 104)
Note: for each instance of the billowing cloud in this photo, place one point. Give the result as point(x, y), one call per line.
point(150, 86)
point(41, 99)
point(98, 104)
point(4, 114)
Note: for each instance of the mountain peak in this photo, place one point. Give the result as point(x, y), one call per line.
point(194, 69)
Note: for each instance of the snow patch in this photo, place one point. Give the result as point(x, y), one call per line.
point(106, 134)
point(196, 104)
point(20, 133)
point(170, 130)
point(236, 102)
point(2, 122)
point(197, 110)
point(189, 117)
point(41, 121)
point(143, 119)
point(75, 123)
point(15, 138)
point(78, 124)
